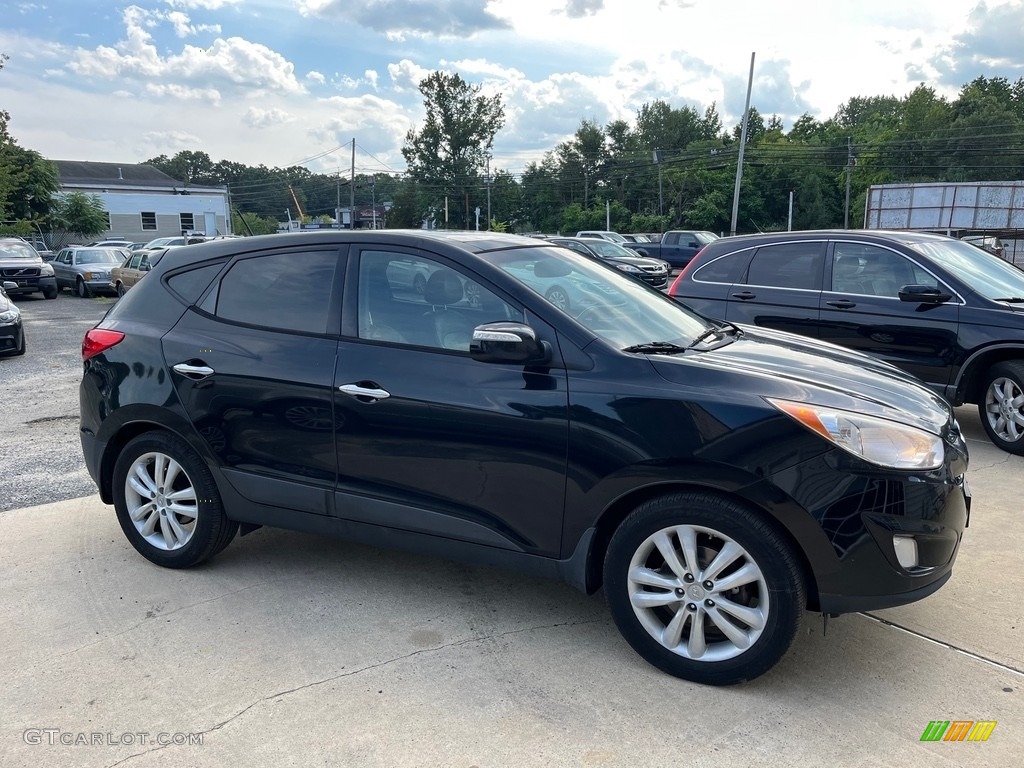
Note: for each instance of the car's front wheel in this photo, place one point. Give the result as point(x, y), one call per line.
point(703, 588)
point(50, 292)
point(82, 289)
point(1002, 408)
point(167, 502)
point(559, 297)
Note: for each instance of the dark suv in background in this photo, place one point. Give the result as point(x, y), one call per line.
point(939, 308)
point(24, 270)
point(716, 480)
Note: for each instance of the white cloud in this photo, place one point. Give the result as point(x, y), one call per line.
point(210, 95)
point(183, 26)
point(371, 77)
point(234, 60)
point(316, 77)
point(262, 118)
point(406, 75)
point(210, 5)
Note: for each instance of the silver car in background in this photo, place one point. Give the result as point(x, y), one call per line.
point(86, 270)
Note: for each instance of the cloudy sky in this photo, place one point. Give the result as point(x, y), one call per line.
point(283, 82)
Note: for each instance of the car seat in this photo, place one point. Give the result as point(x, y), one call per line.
point(451, 331)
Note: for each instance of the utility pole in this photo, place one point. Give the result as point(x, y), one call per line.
point(352, 191)
point(789, 221)
point(373, 196)
point(743, 144)
point(337, 205)
point(488, 192)
point(850, 160)
point(658, 157)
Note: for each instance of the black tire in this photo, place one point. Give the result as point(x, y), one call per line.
point(208, 529)
point(775, 599)
point(51, 293)
point(120, 290)
point(1001, 405)
point(21, 348)
point(83, 290)
point(419, 284)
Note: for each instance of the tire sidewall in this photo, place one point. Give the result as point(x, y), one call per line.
point(760, 540)
point(210, 515)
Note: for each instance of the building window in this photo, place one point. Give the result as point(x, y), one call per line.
point(187, 223)
point(148, 220)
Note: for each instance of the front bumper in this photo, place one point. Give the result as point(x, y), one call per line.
point(852, 513)
point(32, 284)
point(11, 335)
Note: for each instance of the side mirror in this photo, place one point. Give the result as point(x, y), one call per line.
point(506, 342)
point(143, 267)
point(923, 294)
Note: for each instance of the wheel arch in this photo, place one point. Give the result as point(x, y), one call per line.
point(619, 509)
point(970, 386)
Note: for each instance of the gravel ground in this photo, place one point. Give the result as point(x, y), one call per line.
point(40, 451)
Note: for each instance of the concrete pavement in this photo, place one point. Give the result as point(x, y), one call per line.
point(289, 649)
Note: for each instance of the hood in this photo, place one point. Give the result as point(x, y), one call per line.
point(636, 261)
point(775, 364)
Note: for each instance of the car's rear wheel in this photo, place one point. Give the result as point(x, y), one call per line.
point(167, 502)
point(559, 297)
point(703, 588)
point(82, 289)
point(1002, 409)
point(120, 290)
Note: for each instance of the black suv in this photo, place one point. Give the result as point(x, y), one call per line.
point(22, 266)
point(419, 390)
point(941, 309)
point(654, 272)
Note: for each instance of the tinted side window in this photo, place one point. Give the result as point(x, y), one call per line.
point(788, 265)
point(414, 300)
point(726, 269)
point(284, 291)
point(190, 285)
point(873, 271)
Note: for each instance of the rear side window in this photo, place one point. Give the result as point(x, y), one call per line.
point(788, 265)
point(284, 291)
point(725, 269)
point(190, 285)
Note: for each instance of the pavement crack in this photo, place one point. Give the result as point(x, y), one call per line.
point(949, 646)
point(360, 670)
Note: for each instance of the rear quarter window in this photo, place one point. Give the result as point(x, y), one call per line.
point(729, 268)
point(189, 285)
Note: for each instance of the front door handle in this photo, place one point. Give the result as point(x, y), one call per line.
point(745, 295)
point(842, 304)
point(194, 371)
point(373, 393)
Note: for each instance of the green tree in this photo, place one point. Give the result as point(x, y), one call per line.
point(257, 225)
point(78, 213)
point(449, 151)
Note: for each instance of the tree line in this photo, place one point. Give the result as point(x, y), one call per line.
point(670, 167)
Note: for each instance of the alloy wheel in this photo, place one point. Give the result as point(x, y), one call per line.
point(161, 501)
point(1004, 409)
point(698, 593)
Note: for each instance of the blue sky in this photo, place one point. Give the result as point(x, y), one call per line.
point(281, 81)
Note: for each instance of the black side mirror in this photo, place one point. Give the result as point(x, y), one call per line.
point(923, 294)
point(506, 342)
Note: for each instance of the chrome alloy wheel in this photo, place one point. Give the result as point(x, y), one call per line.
point(161, 501)
point(1004, 409)
point(698, 593)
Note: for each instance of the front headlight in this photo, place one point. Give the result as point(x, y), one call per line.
point(880, 441)
point(8, 317)
point(629, 268)
point(46, 270)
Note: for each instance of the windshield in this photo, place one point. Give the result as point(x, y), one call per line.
point(100, 257)
point(17, 251)
point(617, 308)
point(986, 274)
point(607, 250)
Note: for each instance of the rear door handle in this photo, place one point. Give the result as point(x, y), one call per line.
point(373, 393)
point(842, 304)
point(744, 295)
point(194, 371)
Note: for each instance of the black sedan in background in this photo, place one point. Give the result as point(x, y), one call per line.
point(654, 272)
point(716, 480)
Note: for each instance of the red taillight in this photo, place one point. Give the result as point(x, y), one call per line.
point(97, 340)
point(684, 272)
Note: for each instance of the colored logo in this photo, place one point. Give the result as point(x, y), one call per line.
point(958, 730)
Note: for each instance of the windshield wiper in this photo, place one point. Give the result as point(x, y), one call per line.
point(724, 327)
point(1012, 300)
point(656, 348)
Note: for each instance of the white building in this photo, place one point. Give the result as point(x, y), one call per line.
point(144, 203)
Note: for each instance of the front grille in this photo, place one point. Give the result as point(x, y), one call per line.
point(19, 272)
